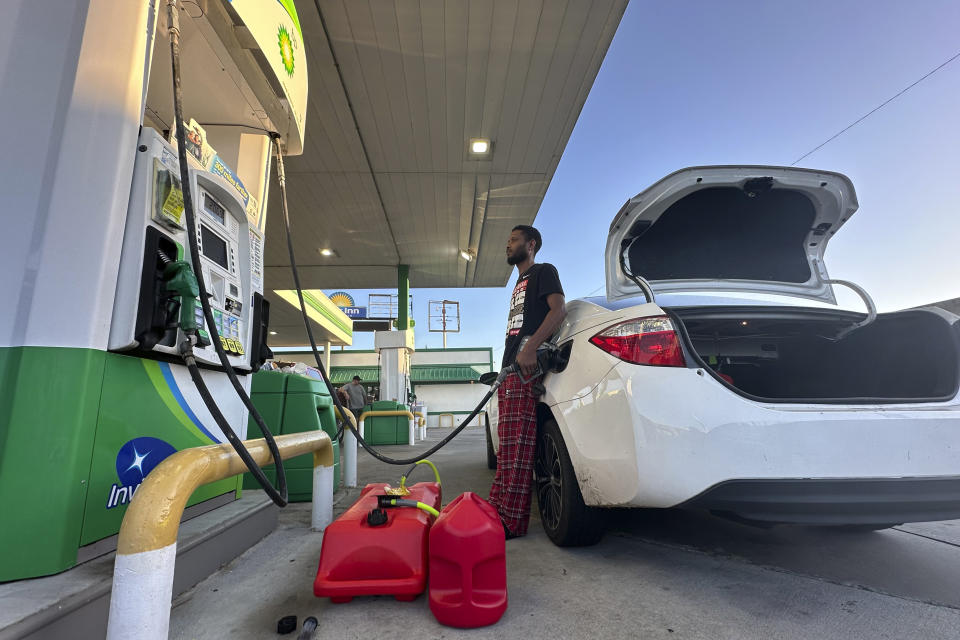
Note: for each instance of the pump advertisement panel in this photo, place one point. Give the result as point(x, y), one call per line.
point(276, 28)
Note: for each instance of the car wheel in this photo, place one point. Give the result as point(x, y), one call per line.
point(567, 521)
point(491, 454)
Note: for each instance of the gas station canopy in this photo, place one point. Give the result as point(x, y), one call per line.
point(398, 93)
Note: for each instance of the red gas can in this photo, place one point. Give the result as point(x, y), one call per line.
point(468, 564)
point(358, 559)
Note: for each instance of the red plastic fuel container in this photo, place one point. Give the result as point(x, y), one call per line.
point(359, 559)
point(468, 564)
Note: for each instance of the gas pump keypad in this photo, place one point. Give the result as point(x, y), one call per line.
point(228, 326)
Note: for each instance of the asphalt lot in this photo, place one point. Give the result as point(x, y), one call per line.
point(656, 574)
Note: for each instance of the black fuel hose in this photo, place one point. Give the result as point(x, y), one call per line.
point(281, 177)
point(432, 450)
point(282, 180)
point(278, 494)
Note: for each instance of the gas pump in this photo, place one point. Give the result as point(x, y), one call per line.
point(155, 240)
point(93, 389)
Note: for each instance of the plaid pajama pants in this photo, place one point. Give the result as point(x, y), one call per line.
point(517, 427)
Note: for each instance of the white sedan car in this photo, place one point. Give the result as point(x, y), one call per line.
point(772, 408)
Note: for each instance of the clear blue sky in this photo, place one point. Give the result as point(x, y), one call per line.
point(693, 83)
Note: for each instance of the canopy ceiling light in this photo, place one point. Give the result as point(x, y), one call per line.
point(479, 147)
point(466, 254)
point(329, 253)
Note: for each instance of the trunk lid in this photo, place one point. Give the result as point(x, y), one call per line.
point(730, 228)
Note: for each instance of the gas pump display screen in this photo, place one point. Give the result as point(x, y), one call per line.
point(214, 247)
point(214, 209)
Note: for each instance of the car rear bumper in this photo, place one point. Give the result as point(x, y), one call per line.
point(663, 437)
point(816, 501)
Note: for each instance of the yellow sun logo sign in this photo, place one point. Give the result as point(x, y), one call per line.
point(342, 299)
point(286, 49)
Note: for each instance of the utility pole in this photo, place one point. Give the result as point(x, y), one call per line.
point(444, 317)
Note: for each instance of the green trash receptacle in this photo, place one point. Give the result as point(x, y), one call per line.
point(291, 403)
point(386, 429)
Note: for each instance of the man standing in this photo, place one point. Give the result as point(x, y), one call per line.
point(536, 310)
point(356, 396)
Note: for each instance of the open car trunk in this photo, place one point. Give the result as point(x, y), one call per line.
point(793, 355)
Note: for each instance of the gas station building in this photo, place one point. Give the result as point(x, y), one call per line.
point(444, 381)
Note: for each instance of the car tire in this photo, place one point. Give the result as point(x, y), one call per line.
point(491, 454)
point(567, 521)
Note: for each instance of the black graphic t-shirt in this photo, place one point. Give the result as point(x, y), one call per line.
point(528, 306)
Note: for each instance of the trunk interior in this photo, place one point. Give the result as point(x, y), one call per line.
point(793, 355)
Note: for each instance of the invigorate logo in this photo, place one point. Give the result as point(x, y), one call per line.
point(135, 460)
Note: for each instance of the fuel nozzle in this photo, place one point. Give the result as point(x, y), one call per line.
point(546, 361)
point(182, 283)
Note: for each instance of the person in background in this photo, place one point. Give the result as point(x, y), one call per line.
point(537, 308)
point(356, 396)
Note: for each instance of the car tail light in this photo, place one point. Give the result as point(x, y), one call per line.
point(650, 341)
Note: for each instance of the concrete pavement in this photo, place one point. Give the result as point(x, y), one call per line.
point(657, 574)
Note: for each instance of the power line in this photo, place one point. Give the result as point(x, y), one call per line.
point(875, 109)
point(594, 291)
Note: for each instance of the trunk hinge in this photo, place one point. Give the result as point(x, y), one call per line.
point(867, 300)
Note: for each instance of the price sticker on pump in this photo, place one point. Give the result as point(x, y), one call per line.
point(168, 197)
point(173, 206)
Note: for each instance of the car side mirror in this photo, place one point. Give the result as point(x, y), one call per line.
point(489, 377)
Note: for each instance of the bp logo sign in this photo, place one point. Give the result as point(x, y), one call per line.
point(286, 49)
point(135, 460)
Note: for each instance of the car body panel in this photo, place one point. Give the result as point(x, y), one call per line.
point(592, 364)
